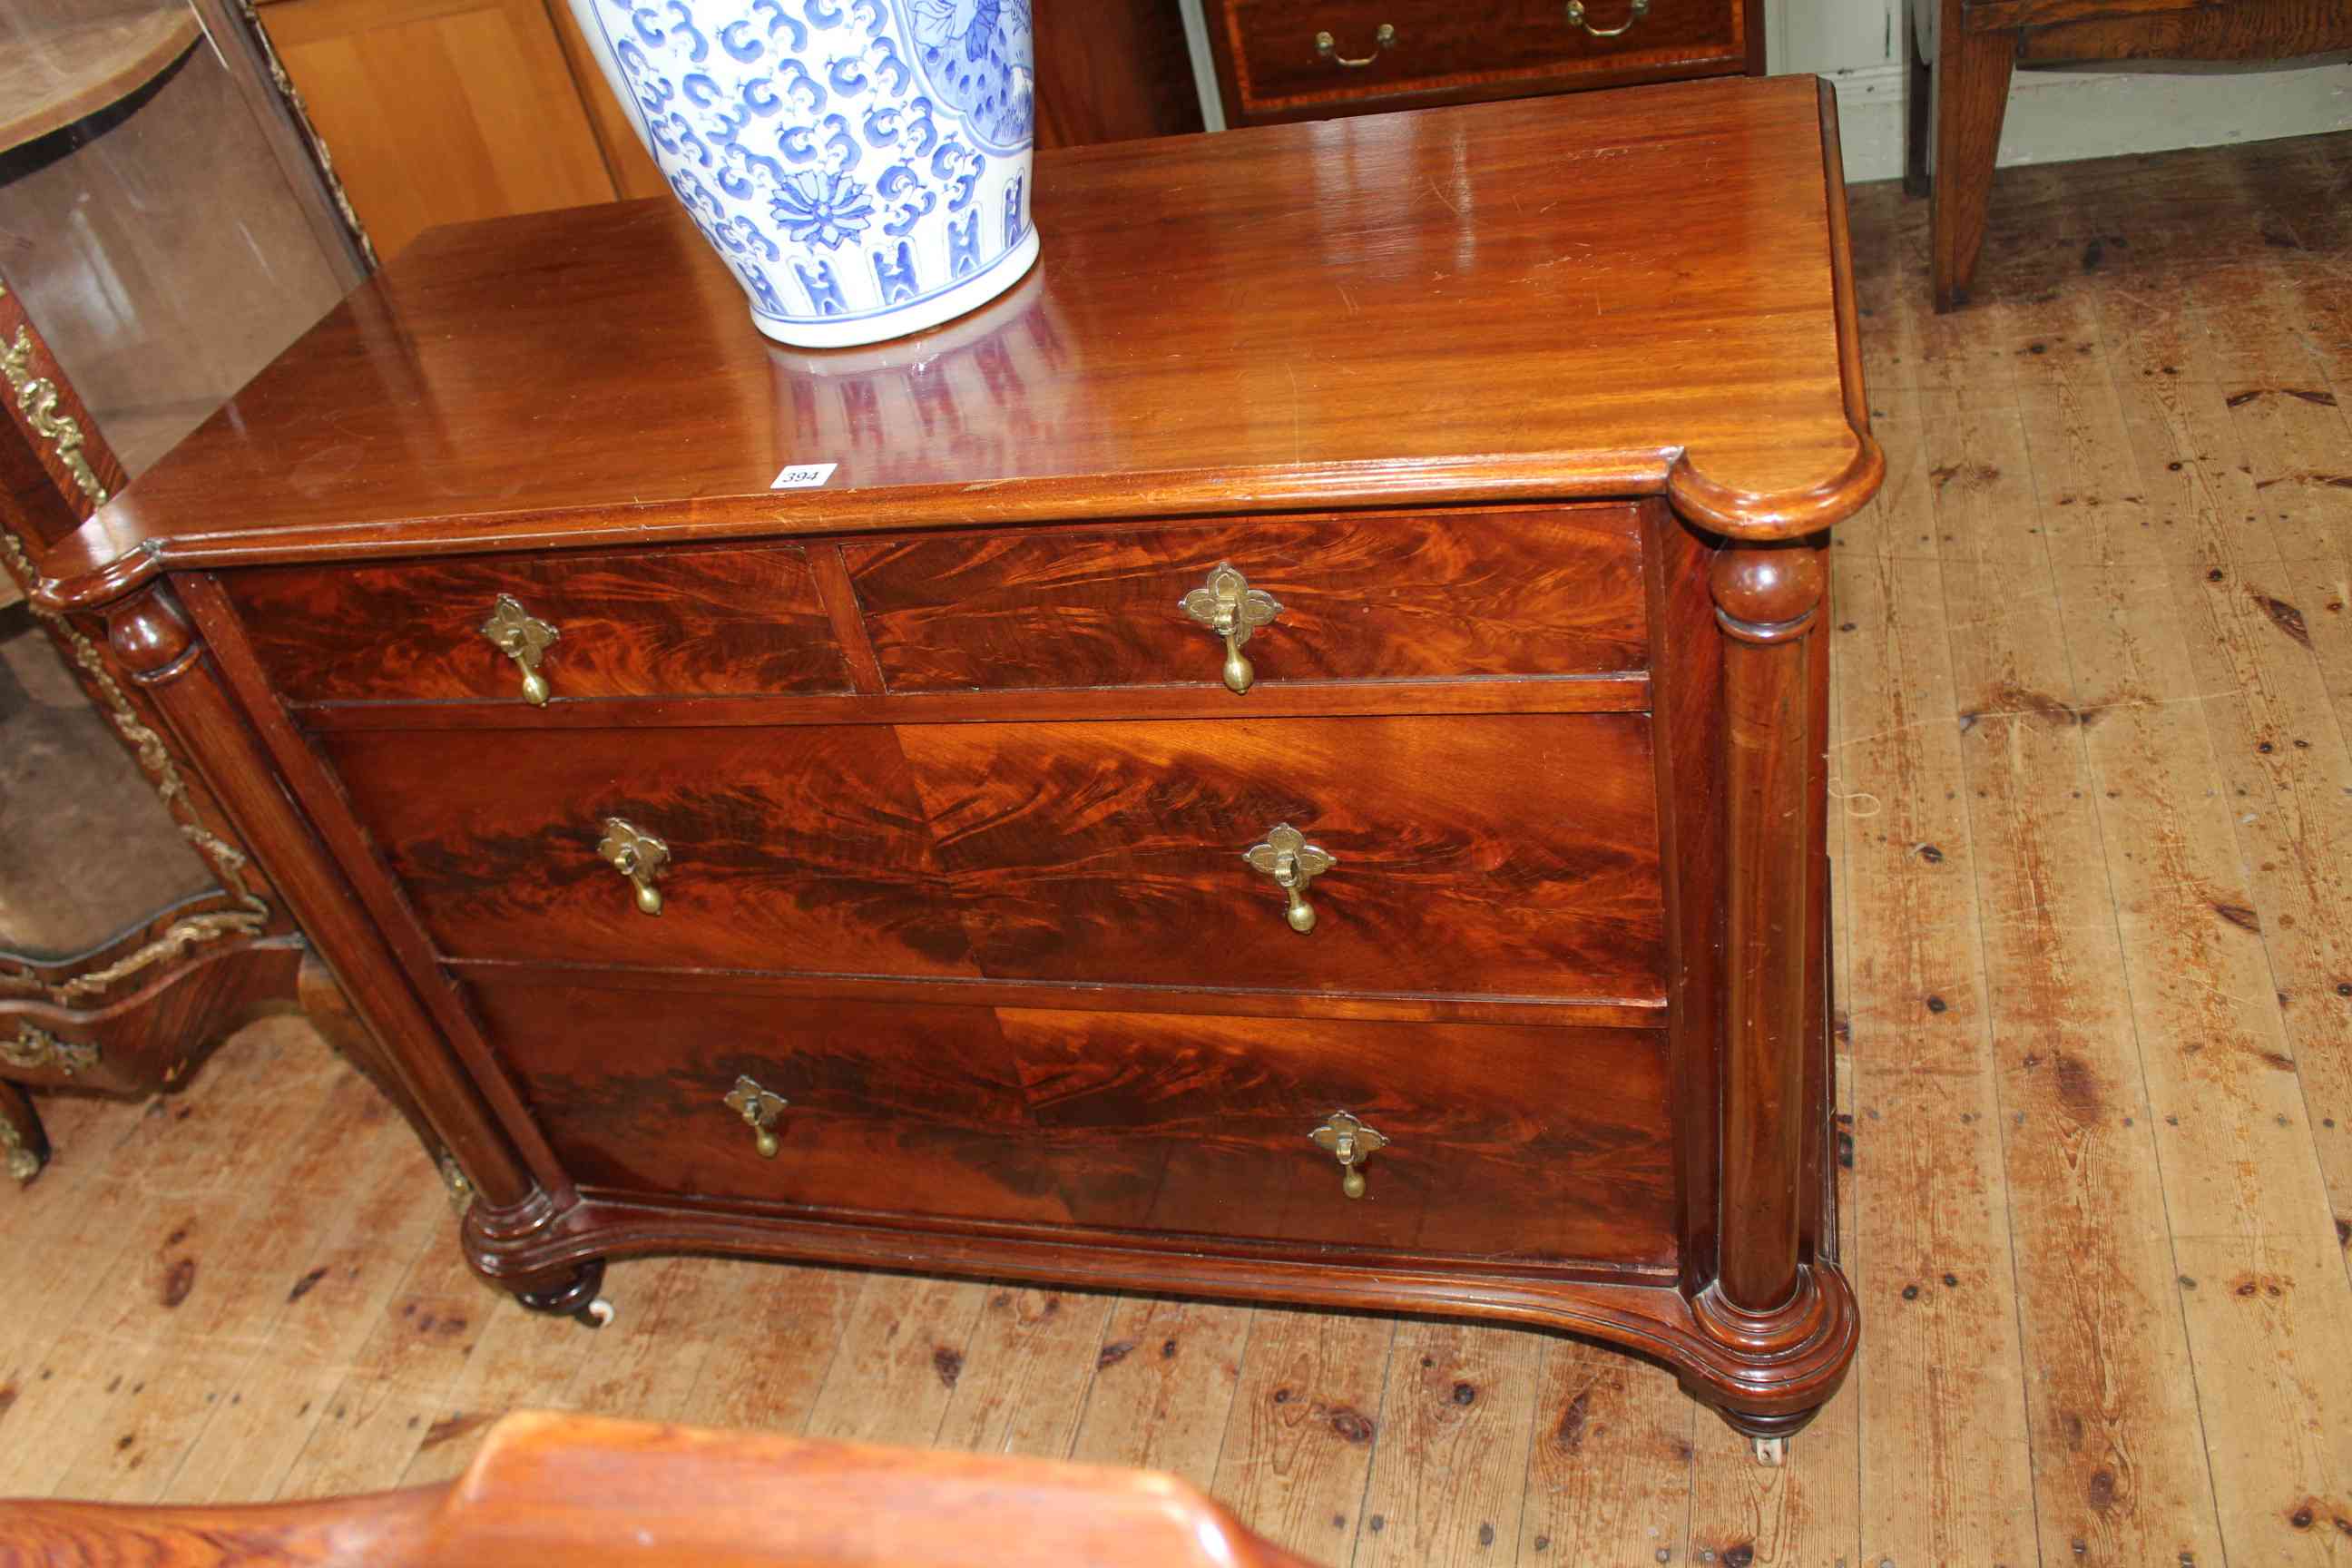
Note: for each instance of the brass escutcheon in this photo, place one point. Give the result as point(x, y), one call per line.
point(524, 638)
point(639, 856)
point(1292, 862)
point(1230, 608)
point(758, 1108)
point(1351, 1142)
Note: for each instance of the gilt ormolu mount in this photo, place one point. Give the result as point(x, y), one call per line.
point(144, 165)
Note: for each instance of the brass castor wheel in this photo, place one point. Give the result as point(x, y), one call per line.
point(576, 1296)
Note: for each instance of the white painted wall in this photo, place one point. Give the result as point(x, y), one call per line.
point(2054, 115)
point(2080, 111)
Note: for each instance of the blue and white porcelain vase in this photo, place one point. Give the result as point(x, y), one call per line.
point(862, 164)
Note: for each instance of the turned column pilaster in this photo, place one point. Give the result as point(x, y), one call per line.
point(158, 648)
point(1786, 1315)
point(1768, 600)
point(1742, 720)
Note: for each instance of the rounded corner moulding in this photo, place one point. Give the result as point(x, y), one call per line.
point(1759, 517)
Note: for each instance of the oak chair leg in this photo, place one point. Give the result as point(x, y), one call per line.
point(24, 1146)
point(1971, 98)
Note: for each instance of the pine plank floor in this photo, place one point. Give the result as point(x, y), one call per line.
point(2092, 827)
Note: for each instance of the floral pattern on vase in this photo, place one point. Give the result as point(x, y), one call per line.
point(976, 53)
point(862, 165)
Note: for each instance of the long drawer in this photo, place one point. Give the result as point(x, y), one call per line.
point(1170, 1124)
point(1457, 856)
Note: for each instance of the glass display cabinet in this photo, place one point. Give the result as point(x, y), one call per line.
point(167, 224)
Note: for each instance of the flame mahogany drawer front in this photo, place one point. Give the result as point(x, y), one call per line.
point(1109, 853)
point(729, 622)
point(1514, 591)
point(1277, 58)
point(1182, 1127)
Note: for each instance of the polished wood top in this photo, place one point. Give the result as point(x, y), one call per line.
point(1609, 294)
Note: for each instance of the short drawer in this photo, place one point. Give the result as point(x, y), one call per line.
point(695, 622)
point(1504, 1142)
point(1480, 855)
point(1446, 47)
point(1514, 591)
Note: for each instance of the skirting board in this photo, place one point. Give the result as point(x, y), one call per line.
point(2083, 111)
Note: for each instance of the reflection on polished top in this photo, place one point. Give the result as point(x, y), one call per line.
point(1612, 294)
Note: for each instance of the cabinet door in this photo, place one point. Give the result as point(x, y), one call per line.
point(442, 110)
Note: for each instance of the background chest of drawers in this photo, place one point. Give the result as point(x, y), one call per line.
point(1294, 774)
point(1306, 59)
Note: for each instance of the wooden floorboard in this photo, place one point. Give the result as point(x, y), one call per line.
point(1161, 1392)
point(2092, 825)
point(1307, 1408)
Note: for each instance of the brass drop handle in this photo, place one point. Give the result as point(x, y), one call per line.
point(639, 856)
point(1351, 1142)
point(1230, 608)
point(524, 638)
point(1292, 862)
point(759, 1108)
point(1328, 47)
point(1576, 19)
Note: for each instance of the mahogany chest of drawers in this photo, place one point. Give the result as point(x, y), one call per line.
point(1282, 759)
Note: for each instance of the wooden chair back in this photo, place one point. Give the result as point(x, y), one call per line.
point(583, 1490)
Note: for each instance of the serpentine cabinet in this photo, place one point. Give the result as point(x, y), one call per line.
point(1283, 759)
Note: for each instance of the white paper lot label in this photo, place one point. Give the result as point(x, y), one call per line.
point(804, 476)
